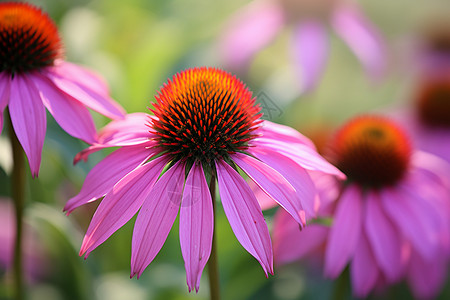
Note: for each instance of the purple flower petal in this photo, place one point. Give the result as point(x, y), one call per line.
point(121, 203)
point(363, 269)
point(244, 215)
point(155, 218)
point(264, 200)
point(86, 96)
point(291, 242)
point(283, 133)
point(362, 37)
point(293, 173)
point(249, 31)
point(71, 115)
point(384, 239)
point(310, 52)
point(5, 82)
point(28, 119)
point(345, 231)
point(196, 225)
point(107, 173)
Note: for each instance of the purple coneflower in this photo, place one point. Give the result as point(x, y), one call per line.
point(390, 219)
point(205, 126)
point(256, 26)
point(34, 76)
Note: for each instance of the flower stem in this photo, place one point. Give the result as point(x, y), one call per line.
point(342, 286)
point(18, 196)
point(213, 266)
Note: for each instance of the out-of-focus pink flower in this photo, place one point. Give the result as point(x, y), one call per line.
point(34, 256)
point(205, 122)
point(33, 77)
point(391, 218)
point(258, 24)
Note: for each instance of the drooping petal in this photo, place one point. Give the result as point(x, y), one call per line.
point(244, 215)
point(131, 130)
point(294, 174)
point(71, 115)
point(4, 95)
point(28, 119)
point(264, 200)
point(249, 31)
point(155, 218)
point(283, 133)
point(310, 51)
point(345, 231)
point(107, 173)
point(121, 203)
point(273, 183)
point(86, 96)
point(363, 269)
point(362, 37)
point(290, 242)
point(196, 225)
point(384, 239)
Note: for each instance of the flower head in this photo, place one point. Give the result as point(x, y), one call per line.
point(33, 76)
point(205, 125)
point(390, 218)
point(258, 24)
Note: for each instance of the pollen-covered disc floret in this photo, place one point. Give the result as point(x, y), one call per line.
point(204, 114)
point(29, 39)
point(434, 103)
point(371, 151)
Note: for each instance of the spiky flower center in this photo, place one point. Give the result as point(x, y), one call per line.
point(434, 103)
point(371, 151)
point(204, 114)
point(29, 39)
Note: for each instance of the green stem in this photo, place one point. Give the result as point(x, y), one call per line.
point(18, 196)
point(342, 286)
point(213, 266)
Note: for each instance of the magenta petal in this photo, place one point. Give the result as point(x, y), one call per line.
point(155, 218)
point(5, 82)
point(294, 174)
point(283, 133)
point(28, 119)
point(86, 96)
point(249, 31)
point(362, 37)
point(363, 269)
point(121, 203)
point(71, 115)
point(107, 173)
point(345, 231)
point(196, 225)
point(244, 215)
point(291, 242)
point(310, 51)
point(384, 238)
point(264, 200)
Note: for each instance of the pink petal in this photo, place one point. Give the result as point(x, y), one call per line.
point(196, 225)
point(303, 155)
point(412, 218)
point(71, 115)
point(28, 119)
point(293, 173)
point(291, 242)
point(86, 96)
point(310, 51)
point(363, 269)
point(5, 82)
point(273, 183)
point(244, 215)
point(283, 133)
point(362, 37)
point(155, 218)
point(107, 173)
point(345, 231)
point(264, 200)
point(82, 76)
point(383, 238)
point(249, 31)
point(121, 203)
